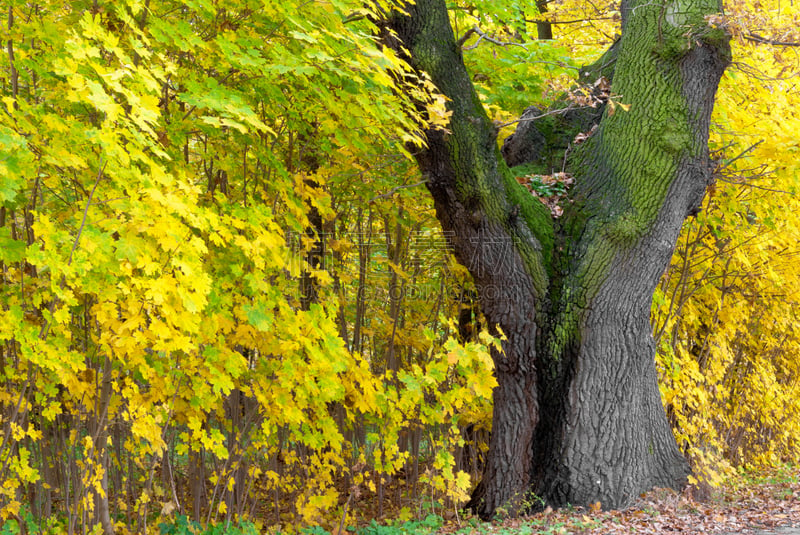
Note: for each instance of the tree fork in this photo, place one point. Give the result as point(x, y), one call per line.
point(578, 416)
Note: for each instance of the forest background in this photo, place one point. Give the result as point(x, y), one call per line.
point(225, 294)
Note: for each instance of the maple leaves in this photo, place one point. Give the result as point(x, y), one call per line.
point(158, 159)
point(727, 347)
point(155, 162)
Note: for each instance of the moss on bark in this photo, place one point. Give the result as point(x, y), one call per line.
point(578, 340)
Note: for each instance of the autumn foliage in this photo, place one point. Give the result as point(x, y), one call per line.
point(725, 313)
point(222, 288)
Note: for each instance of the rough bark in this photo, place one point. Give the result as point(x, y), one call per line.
point(544, 29)
point(498, 234)
point(577, 414)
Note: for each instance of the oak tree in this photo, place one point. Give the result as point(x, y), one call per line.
point(578, 417)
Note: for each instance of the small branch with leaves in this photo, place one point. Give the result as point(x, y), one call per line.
point(483, 35)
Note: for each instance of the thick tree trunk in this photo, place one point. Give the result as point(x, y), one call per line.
point(604, 436)
point(544, 29)
point(577, 417)
point(643, 172)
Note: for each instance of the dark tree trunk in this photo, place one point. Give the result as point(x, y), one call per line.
point(544, 29)
point(577, 414)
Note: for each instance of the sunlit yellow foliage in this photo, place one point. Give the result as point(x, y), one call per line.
point(159, 161)
point(173, 342)
point(725, 313)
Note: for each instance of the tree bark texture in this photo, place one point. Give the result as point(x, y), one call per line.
point(578, 417)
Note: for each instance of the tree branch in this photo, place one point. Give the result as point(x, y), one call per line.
point(754, 37)
point(86, 210)
point(395, 190)
point(483, 35)
point(559, 111)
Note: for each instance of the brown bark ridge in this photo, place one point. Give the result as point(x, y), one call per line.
point(577, 414)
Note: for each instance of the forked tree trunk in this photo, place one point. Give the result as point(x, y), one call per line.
point(577, 414)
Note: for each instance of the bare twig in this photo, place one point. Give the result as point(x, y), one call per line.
point(763, 40)
point(546, 114)
point(86, 210)
point(743, 153)
point(754, 186)
point(46, 326)
point(739, 179)
point(575, 21)
point(395, 190)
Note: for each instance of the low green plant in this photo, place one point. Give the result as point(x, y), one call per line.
point(183, 526)
point(41, 526)
point(429, 524)
point(545, 186)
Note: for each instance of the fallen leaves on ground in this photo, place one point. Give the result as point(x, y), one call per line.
point(745, 509)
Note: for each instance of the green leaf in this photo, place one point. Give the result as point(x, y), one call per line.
point(15, 163)
point(11, 250)
point(258, 317)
